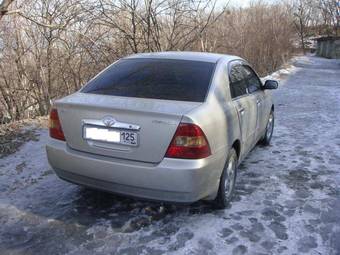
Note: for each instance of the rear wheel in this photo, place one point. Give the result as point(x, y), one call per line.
point(227, 182)
point(269, 129)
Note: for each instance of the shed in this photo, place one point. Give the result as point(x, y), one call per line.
point(328, 46)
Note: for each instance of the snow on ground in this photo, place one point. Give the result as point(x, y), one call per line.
point(287, 199)
point(281, 74)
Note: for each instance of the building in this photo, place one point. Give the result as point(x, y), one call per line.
point(328, 47)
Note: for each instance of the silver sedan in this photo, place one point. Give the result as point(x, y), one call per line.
point(170, 126)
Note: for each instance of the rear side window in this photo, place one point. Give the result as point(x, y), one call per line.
point(238, 82)
point(154, 78)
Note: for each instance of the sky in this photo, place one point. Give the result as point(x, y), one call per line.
point(241, 3)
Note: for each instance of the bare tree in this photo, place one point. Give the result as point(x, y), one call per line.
point(328, 13)
point(302, 14)
point(50, 48)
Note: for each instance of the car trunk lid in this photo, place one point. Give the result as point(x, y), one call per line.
point(155, 122)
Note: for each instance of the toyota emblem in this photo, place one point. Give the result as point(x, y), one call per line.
point(109, 121)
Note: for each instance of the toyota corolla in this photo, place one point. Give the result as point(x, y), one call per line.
point(169, 126)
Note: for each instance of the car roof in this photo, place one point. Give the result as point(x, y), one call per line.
point(185, 55)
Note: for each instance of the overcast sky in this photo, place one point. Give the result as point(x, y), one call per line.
point(241, 3)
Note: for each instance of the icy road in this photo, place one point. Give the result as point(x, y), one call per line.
point(287, 200)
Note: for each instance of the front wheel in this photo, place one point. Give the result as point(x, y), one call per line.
point(227, 182)
point(269, 129)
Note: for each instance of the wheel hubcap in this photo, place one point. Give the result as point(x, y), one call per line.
point(230, 178)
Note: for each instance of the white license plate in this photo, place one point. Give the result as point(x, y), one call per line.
point(110, 135)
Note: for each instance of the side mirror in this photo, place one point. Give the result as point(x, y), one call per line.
point(271, 84)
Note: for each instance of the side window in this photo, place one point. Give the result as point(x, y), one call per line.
point(253, 81)
point(238, 83)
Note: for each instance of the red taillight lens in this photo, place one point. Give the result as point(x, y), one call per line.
point(189, 142)
point(56, 131)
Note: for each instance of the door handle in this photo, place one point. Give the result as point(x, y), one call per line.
point(258, 102)
point(241, 111)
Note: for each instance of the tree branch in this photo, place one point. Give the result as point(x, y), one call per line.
point(4, 7)
point(18, 12)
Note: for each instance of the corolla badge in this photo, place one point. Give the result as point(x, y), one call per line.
point(109, 121)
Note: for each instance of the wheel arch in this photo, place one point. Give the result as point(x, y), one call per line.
point(237, 146)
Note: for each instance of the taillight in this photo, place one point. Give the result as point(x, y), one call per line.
point(56, 131)
point(189, 142)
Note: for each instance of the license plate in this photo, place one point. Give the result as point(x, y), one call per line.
point(110, 135)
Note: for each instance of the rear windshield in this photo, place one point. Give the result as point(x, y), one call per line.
point(154, 78)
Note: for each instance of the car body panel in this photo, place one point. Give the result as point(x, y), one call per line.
point(185, 55)
point(175, 180)
point(247, 117)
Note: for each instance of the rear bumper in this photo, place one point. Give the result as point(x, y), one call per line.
point(173, 180)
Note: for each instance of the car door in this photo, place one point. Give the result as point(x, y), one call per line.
point(254, 85)
point(245, 104)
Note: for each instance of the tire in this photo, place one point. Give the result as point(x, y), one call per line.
point(227, 182)
point(269, 130)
